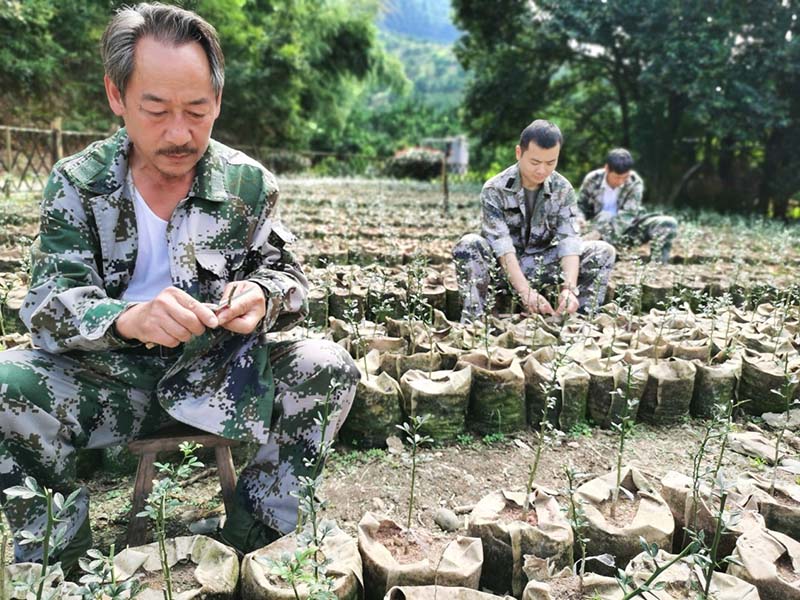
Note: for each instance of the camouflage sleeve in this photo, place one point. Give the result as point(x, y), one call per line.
point(585, 198)
point(67, 307)
point(569, 240)
point(493, 223)
point(277, 271)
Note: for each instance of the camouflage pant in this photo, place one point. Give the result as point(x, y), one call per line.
point(53, 404)
point(478, 271)
point(659, 230)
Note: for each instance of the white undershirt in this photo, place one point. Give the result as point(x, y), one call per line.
point(151, 274)
point(610, 197)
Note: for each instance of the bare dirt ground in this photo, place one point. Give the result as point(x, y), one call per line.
point(454, 477)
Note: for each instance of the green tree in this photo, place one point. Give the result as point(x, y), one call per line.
point(704, 93)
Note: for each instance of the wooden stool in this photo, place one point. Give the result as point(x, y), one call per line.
point(168, 440)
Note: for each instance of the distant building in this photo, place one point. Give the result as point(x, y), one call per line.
point(458, 156)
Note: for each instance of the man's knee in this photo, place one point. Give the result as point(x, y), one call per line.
point(670, 225)
point(19, 381)
point(600, 253)
point(471, 247)
point(326, 362)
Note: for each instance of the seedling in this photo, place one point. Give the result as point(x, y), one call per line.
point(669, 316)
point(549, 389)
point(309, 505)
point(411, 429)
point(626, 582)
point(306, 566)
point(706, 557)
point(294, 569)
point(353, 318)
point(623, 428)
point(577, 519)
point(786, 393)
point(53, 538)
point(100, 581)
point(163, 502)
point(715, 428)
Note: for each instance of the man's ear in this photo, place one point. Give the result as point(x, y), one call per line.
point(518, 152)
point(115, 99)
point(218, 107)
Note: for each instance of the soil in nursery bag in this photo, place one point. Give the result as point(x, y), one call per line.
point(420, 361)
point(497, 520)
point(606, 376)
point(781, 512)
point(714, 384)
point(770, 561)
point(649, 517)
point(395, 556)
point(668, 393)
point(375, 411)
point(762, 373)
point(681, 580)
point(182, 575)
point(570, 395)
point(497, 396)
point(676, 489)
point(201, 568)
point(567, 586)
point(443, 395)
point(338, 549)
point(438, 592)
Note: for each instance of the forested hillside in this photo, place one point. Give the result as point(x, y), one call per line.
point(422, 19)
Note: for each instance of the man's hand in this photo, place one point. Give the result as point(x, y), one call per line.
point(246, 310)
point(535, 303)
point(168, 319)
point(567, 302)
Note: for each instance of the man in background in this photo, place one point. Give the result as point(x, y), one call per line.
point(610, 200)
point(530, 239)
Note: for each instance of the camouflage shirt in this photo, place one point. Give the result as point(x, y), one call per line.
point(223, 231)
point(505, 219)
point(629, 201)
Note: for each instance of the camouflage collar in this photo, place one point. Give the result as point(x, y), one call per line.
point(516, 182)
point(102, 168)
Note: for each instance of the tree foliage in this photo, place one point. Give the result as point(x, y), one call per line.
point(704, 93)
point(290, 63)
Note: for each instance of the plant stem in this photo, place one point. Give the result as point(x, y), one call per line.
point(162, 547)
point(623, 429)
point(413, 477)
point(715, 544)
point(48, 499)
point(639, 591)
point(4, 542)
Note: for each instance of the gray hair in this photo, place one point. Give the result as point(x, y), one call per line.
point(168, 24)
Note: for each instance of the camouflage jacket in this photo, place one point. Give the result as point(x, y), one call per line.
point(629, 203)
point(223, 231)
point(504, 215)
